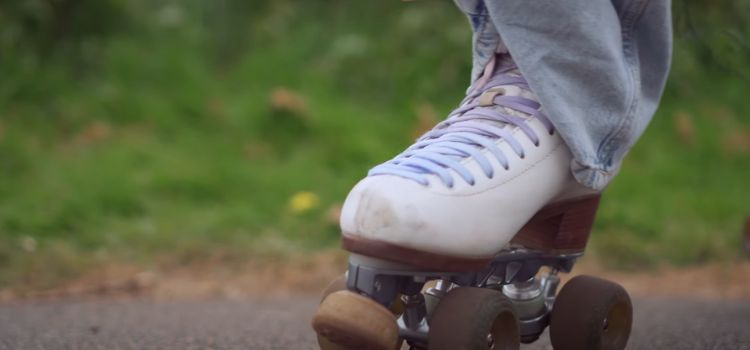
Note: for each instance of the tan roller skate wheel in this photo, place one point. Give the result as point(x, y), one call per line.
point(348, 320)
point(336, 285)
point(397, 307)
point(326, 344)
point(339, 283)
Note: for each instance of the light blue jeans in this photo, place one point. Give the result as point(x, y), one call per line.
point(597, 66)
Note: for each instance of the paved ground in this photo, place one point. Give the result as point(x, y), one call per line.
point(282, 323)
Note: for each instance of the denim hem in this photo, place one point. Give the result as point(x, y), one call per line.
point(617, 140)
point(599, 68)
point(590, 176)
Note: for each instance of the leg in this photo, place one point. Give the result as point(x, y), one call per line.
point(598, 68)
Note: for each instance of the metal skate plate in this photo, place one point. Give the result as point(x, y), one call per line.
point(384, 281)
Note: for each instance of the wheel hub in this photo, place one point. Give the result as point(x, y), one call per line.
point(490, 341)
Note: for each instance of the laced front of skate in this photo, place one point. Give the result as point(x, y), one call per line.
point(493, 109)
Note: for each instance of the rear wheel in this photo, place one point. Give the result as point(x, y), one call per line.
point(591, 314)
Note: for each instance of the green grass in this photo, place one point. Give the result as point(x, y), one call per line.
point(682, 195)
point(166, 148)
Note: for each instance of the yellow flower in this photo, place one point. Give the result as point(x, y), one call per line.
point(303, 201)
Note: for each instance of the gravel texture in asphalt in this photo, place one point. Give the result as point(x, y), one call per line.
point(283, 323)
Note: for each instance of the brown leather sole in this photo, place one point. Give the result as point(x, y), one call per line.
point(412, 257)
point(558, 228)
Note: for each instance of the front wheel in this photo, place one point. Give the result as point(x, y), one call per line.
point(347, 320)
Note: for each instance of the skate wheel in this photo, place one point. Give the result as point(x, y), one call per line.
point(347, 320)
point(397, 307)
point(336, 285)
point(474, 318)
point(591, 313)
point(339, 283)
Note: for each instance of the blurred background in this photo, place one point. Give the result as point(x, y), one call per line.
point(164, 134)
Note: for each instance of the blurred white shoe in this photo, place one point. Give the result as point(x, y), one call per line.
point(459, 195)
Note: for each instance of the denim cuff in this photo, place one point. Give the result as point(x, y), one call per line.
point(591, 176)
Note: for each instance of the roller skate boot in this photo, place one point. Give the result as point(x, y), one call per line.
point(457, 242)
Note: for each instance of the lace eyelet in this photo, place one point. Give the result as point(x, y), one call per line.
point(552, 132)
point(523, 156)
point(537, 144)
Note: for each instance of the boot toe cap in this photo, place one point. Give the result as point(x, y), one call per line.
point(381, 208)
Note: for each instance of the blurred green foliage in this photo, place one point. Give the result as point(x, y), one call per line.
point(714, 33)
point(164, 132)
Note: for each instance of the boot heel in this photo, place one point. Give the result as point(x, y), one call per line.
point(561, 227)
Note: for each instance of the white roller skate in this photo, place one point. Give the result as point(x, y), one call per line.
point(448, 239)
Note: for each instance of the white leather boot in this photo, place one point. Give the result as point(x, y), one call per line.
point(462, 192)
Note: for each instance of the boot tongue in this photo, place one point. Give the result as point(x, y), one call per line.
point(501, 63)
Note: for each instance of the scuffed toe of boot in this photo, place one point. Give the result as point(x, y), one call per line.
point(376, 209)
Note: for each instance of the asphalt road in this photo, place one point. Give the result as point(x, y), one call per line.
point(283, 323)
